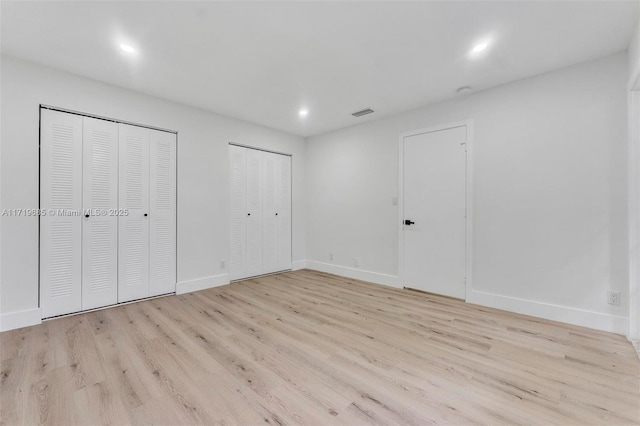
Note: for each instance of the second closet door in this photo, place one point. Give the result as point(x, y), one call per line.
point(133, 229)
point(254, 213)
point(99, 222)
point(283, 213)
point(276, 228)
point(147, 233)
point(260, 212)
point(270, 213)
point(162, 212)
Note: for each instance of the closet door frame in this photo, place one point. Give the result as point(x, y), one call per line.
point(290, 215)
point(46, 107)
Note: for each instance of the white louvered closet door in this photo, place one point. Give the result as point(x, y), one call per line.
point(254, 213)
point(283, 179)
point(270, 201)
point(162, 212)
point(99, 223)
point(60, 231)
point(238, 241)
point(133, 229)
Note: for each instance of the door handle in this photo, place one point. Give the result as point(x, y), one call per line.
point(408, 222)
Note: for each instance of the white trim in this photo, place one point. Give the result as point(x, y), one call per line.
point(26, 318)
point(469, 198)
point(358, 274)
point(99, 117)
point(469, 218)
point(634, 205)
point(298, 264)
point(634, 78)
point(566, 314)
point(260, 149)
point(202, 283)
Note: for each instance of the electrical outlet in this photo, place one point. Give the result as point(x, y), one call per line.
point(223, 264)
point(330, 256)
point(356, 262)
point(613, 297)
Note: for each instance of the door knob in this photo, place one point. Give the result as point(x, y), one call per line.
point(145, 215)
point(408, 222)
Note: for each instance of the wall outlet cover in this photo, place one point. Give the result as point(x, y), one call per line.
point(613, 298)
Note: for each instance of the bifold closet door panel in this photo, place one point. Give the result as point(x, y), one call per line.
point(99, 221)
point(283, 180)
point(133, 228)
point(61, 227)
point(270, 203)
point(238, 200)
point(260, 212)
point(162, 212)
point(254, 213)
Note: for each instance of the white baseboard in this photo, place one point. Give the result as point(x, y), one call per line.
point(26, 318)
point(202, 283)
point(298, 264)
point(355, 273)
point(596, 320)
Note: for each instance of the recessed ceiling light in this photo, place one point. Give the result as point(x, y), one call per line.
point(480, 47)
point(127, 48)
point(303, 112)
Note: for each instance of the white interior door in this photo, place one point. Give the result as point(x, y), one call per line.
point(162, 213)
point(283, 213)
point(238, 241)
point(133, 228)
point(61, 227)
point(254, 212)
point(270, 203)
point(435, 200)
point(99, 224)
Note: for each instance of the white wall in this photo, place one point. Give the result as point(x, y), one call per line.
point(203, 184)
point(550, 224)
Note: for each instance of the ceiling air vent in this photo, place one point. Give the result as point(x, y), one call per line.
point(363, 112)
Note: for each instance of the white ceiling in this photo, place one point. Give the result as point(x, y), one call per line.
point(263, 61)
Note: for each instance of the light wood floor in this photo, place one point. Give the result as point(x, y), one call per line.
point(311, 348)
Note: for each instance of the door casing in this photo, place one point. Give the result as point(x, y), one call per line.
point(469, 199)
